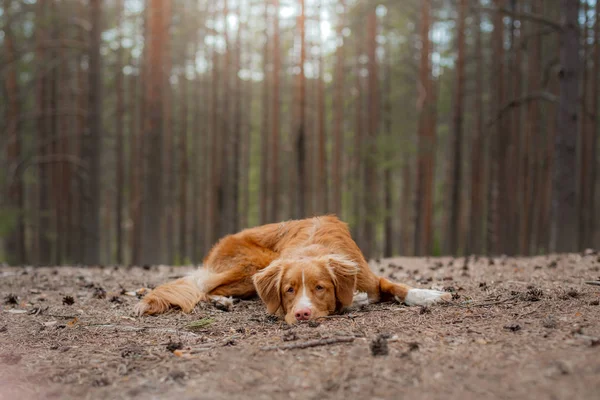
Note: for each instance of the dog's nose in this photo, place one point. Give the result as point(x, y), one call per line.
point(303, 314)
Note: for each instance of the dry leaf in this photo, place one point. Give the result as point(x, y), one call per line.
point(72, 322)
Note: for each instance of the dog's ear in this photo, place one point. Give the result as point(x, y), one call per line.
point(268, 286)
point(343, 271)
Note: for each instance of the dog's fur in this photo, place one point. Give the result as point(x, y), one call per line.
point(303, 269)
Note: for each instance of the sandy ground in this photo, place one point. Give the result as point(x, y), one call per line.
point(517, 328)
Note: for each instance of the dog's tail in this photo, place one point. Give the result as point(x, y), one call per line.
point(184, 293)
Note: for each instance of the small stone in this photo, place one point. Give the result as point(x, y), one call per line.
point(99, 293)
point(379, 346)
point(549, 322)
point(514, 327)
point(172, 346)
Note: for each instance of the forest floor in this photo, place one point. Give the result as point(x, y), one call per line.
point(517, 328)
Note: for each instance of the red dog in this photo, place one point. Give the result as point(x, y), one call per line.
point(302, 270)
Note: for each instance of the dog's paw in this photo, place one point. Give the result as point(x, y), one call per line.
point(141, 308)
point(222, 303)
point(425, 297)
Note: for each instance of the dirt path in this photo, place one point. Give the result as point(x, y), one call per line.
point(518, 328)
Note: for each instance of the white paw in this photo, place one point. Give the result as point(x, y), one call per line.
point(140, 308)
point(222, 302)
point(360, 299)
point(425, 297)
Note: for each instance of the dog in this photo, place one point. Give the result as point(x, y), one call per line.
point(301, 269)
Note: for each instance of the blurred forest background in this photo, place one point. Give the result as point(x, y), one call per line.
point(141, 131)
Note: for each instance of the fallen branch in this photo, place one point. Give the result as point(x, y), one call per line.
point(310, 343)
point(343, 316)
point(485, 304)
point(128, 328)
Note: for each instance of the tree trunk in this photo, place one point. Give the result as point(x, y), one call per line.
point(358, 189)
point(477, 150)
point(594, 131)
point(388, 184)
point(455, 186)
point(338, 117)
point(16, 240)
point(237, 127)
point(119, 127)
point(263, 199)
point(588, 150)
point(152, 203)
point(227, 214)
point(93, 143)
point(564, 210)
point(426, 143)
point(275, 125)
point(134, 169)
point(302, 192)
point(497, 153)
point(321, 161)
point(183, 169)
point(370, 196)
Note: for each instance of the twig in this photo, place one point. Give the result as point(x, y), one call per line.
point(310, 343)
point(128, 328)
point(595, 283)
point(61, 316)
point(486, 304)
point(344, 316)
point(519, 316)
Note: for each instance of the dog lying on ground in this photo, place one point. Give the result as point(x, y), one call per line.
point(302, 270)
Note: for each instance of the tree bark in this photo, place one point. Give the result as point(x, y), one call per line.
point(119, 128)
point(588, 141)
point(183, 169)
point(496, 187)
point(338, 117)
point(388, 184)
point(426, 142)
point(273, 154)
point(532, 143)
point(302, 187)
point(321, 157)
point(370, 196)
point(592, 224)
point(152, 204)
point(16, 239)
point(358, 189)
point(93, 143)
point(455, 186)
point(477, 149)
point(564, 210)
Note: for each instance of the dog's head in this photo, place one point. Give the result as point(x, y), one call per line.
point(306, 288)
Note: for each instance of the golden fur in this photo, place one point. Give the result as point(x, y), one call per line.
point(311, 263)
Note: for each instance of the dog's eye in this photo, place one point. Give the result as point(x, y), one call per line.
point(290, 290)
point(319, 287)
